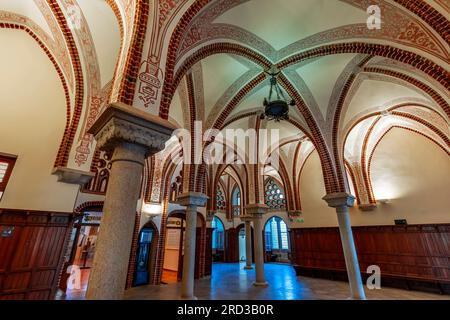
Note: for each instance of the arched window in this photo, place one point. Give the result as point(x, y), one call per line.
point(274, 195)
point(220, 199)
point(276, 234)
point(236, 201)
point(218, 234)
point(236, 198)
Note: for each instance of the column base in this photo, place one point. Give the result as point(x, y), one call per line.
point(189, 298)
point(260, 284)
point(248, 268)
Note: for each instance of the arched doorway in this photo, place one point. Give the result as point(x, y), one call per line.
point(218, 240)
point(235, 242)
point(145, 254)
point(276, 240)
point(174, 246)
point(81, 250)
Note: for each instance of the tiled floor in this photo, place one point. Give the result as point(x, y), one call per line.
point(231, 282)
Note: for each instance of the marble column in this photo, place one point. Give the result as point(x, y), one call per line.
point(341, 202)
point(256, 211)
point(248, 242)
point(131, 135)
point(192, 200)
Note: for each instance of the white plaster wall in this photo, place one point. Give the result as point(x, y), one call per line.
point(32, 122)
point(315, 211)
point(414, 173)
point(407, 168)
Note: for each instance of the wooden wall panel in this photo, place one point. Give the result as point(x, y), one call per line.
point(31, 257)
point(414, 256)
point(208, 252)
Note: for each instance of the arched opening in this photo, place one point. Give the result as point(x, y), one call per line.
point(145, 255)
point(276, 240)
point(81, 250)
point(218, 240)
point(174, 246)
point(236, 201)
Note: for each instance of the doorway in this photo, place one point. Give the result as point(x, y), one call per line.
point(174, 246)
point(145, 255)
point(242, 247)
point(82, 244)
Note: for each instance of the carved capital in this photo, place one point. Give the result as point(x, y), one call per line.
point(72, 176)
point(122, 123)
point(192, 199)
point(210, 215)
point(339, 200)
point(367, 206)
point(256, 210)
point(246, 218)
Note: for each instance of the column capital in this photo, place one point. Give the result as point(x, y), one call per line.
point(210, 215)
point(339, 199)
point(192, 199)
point(246, 218)
point(123, 123)
point(72, 176)
point(367, 206)
point(256, 210)
point(294, 213)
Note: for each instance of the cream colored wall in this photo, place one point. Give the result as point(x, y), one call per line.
point(414, 173)
point(32, 122)
point(407, 168)
point(315, 211)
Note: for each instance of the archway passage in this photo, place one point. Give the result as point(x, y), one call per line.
point(145, 255)
point(276, 240)
point(172, 269)
point(81, 251)
point(218, 240)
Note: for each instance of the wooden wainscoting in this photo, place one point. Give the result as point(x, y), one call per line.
point(32, 248)
point(413, 257)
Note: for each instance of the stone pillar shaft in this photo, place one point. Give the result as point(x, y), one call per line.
point(248, 245)
point(255, 213)
point(192, 200)
point(341, 202)
point(259, 253)
point(351, 258)
point(187, 282)
point(131, 135)
point(112, 254)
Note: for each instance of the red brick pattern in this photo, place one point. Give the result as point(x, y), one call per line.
point(427, 66)
point(331, 181)
point(64, 150)
point(177, 35)
point(337, 118)
point(58, 70)
point(430, 15)
point(422, 86)
point(133, 62)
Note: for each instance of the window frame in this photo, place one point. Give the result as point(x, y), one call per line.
point(11, 161)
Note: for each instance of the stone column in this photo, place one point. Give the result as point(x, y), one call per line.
point(209, 217)
point(248, 242)
point(256, 211)
point(192, 200)
point(131, 135)
point(342, 201)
